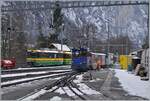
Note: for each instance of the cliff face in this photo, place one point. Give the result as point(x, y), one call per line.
point(123, 20)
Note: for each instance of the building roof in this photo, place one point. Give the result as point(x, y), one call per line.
point(58, 47)
point(98, 53)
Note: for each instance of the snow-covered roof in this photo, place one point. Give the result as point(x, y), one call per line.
point(135, 57)
point(98, 53)
point(58, 46)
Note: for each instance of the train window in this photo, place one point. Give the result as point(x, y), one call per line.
point(33, 55)
point(43, 55)
point(29, 54)
point(37, 54)
point(51, 55)
point(83, 53)
point(55, 55)
point(67, 55)
point(59, 55)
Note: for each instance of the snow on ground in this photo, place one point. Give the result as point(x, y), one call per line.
point(21, 74)
point(78, 79)
point(60, 91)
point(55, 98)
point(68, 66)
point(27, 73)
point(27, 79)
point(83, 87)
point(95, 80)
point(133, 84)
point(27, 84)
point(87, 89)
point(41, 92)
point(35, 95)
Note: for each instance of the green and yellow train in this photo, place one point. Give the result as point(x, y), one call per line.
point(48, 58)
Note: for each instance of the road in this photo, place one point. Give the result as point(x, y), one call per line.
point(103, 86)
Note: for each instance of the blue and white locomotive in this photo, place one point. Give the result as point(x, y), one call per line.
point(80, 60)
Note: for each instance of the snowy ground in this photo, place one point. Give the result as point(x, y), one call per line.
point(27, 79)
point(27, 73)
point(83, 87)
point(63, 90)
point(67, 66)
point(133, 84)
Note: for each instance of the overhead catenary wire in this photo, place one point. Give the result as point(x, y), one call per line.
point(28, 6)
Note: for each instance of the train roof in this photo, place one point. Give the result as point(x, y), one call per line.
point(49, 51)
point(67, 52)
point(46, 51)
point(98, 53)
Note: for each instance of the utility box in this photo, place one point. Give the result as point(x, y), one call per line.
point(124, 61)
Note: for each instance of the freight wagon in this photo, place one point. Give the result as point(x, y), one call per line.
point(98, 59)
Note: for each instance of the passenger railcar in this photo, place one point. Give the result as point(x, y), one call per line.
point(48, 58)
point(67, 58)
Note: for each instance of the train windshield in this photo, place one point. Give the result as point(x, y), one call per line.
point(83, 53)
point(76, 54)
point(79, 53)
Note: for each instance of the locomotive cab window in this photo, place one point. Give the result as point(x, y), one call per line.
point(83, 53)
point(29, 55)
point(76, 54)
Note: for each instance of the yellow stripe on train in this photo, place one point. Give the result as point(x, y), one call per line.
point(45, 59)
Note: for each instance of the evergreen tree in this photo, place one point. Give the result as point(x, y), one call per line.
point(53, 38)
point(42, 41)
point(57, 17)
point(57, 22)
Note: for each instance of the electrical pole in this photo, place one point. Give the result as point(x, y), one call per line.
point(148, 39)
point(9, 35)
point(108, 40)
point(108, 43)
point(62, 37)
point(62, 34)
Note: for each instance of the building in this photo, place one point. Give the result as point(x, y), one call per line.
point(57, 47)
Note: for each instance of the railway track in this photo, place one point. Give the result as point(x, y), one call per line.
point(66, 80)
point(10, 79)
point(35, 69)
point(51, 88)
point(16, 76)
